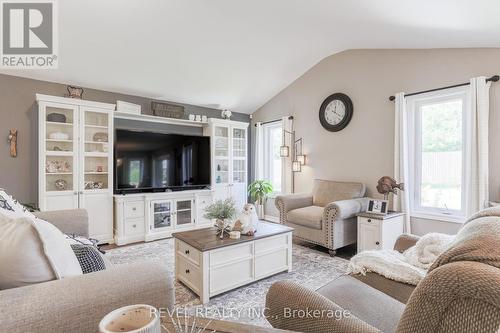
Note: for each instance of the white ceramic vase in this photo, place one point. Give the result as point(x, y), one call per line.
point(139, 318)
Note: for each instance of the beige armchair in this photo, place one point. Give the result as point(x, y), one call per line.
point(327, 216)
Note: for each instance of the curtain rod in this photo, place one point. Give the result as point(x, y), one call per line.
point(273, 121)
point(494, 78)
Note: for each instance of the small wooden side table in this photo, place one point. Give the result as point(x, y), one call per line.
point(377, 232)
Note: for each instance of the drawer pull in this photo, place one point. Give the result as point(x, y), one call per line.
point(369, 220)
point(186, 252)
point(187, 271)
point(134, 226)
point(378, 243)
point(133, 208)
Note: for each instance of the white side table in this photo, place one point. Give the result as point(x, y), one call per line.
point(377, 232)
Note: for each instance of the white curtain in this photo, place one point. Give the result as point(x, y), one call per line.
point(287, 174)
point(401, 160)
point(477, 193)
point(259, 152)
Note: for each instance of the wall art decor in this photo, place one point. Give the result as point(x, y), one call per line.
point(167, 110)
point(12, 138)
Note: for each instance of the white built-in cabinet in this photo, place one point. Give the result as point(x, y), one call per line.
point(229, 145)
point(75, 154)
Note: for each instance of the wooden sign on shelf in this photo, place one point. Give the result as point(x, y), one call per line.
point(13, 142)
point(167, 110)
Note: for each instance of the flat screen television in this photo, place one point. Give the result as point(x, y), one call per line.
point(154, 162)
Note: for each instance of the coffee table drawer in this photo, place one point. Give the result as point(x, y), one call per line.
point(189, 274)
point(270, 243)
point(189, 252)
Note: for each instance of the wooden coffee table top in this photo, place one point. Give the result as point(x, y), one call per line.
point(206, 239)
point(219, 326)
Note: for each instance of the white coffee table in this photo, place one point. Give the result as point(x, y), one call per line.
point(210, 266)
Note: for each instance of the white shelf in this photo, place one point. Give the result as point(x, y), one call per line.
point(96, 154)
point(97, 126)
point(58, 140)
point(96, 142)
point(58, 173)
point(56, 123)
point(59, 153)
point(95, 173)
point(155, 119)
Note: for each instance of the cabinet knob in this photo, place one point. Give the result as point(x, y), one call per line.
point(369, 220)
point(134, 208)
point(187, 271)
point(186, 252)
point(378, 243)
point(134, 226)
point(75, 193)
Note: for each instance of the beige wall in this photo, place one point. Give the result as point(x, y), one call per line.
point(18, 109)
point(364, 150)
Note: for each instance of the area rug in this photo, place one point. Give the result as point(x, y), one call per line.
point(311, 268)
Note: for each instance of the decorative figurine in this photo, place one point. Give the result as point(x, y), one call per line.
point(388, 185)
point(246, 223)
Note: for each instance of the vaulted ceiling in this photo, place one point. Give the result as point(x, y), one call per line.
point(237, 54)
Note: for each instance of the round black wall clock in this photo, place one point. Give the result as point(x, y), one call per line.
point(335, 112)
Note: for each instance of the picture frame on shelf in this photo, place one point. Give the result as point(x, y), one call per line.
point(378, 206)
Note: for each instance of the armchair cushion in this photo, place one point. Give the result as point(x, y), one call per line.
point(326, 191)
point(311, 217)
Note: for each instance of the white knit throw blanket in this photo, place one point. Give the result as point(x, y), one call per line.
point(408, 267)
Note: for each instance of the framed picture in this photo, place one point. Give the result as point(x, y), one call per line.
point(378, 206)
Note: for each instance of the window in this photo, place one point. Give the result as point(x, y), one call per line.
point(272, 160)
point(437, 152)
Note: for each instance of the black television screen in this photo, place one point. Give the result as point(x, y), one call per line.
point(146, 161)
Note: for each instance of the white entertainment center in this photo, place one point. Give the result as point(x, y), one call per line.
point(76, 171)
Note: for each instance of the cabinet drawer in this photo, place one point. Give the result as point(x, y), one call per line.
point(188, 273)
point(134, 209)
point(134, 226)
point(370, 221)
point(229, 276)
point(189, 252)
point(270, 243)
point(231, 254)
point(271, 262)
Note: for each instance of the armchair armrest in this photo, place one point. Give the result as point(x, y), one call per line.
point(71, 221)
point(405, 241)
point(77, 304)
point(344, 209)
point(288, 306)
point(286, 203)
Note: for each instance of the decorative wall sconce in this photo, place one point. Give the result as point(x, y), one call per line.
point(296, 167)
point(298, 158)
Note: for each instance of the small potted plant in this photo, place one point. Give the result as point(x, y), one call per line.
point(222, 211)
point(259, 190)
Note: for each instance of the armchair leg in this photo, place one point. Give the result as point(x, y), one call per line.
point(332, 253)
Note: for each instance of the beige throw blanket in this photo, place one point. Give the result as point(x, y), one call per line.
point(478, 240)
point(408, 267)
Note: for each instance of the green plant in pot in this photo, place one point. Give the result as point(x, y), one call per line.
point(222, 211)
point(259, 190)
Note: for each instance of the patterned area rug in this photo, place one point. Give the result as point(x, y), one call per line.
point(311, 268)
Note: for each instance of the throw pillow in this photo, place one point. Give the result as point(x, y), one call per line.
point(32, 249)
point(89, 258)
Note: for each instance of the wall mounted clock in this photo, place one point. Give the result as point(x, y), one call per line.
point(335, 112)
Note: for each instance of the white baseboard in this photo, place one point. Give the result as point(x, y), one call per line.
point(271, 218)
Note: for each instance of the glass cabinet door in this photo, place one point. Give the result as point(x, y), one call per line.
point(162, 215)
point(239, 153)
point(60, 133)
point(96, 157)
point(221, 154)
point(183, 215)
